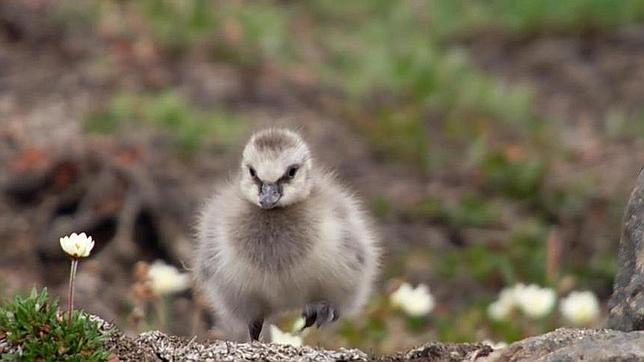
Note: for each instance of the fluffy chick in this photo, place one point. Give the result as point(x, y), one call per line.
point(283, 234)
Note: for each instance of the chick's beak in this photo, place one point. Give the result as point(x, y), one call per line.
point(269, 195)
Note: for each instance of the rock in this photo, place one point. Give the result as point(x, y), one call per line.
point(123, 348)
point(441, 352)
point(626, 305)
point(560, 345)
point(567, 344)
point(156, 346)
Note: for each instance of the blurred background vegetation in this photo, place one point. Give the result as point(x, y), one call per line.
point(495, 142)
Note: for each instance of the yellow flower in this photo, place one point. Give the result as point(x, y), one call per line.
point(416, 302)
point(167, 279)
point(77, 245)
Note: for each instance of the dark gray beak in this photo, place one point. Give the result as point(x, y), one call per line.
point(269, 195)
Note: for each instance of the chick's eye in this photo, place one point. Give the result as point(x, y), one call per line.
point(292, 171)
point(252, 171)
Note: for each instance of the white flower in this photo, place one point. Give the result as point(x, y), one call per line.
point(277, 336)
point(416, 302)
point(77, 245)
point(580, 308)
point(534, 301)
point(495, 345)
point(503, 307)
point(167, 279)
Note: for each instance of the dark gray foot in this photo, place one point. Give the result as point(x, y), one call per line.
point(255, 328)
point(319, 313)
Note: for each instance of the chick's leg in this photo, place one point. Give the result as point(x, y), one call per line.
point(319, 313)
point(255, 328)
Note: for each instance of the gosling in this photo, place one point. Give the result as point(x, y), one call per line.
point(284, 234)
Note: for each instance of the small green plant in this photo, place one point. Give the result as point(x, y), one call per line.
point(38, 331)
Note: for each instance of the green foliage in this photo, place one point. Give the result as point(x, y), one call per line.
point(527, 253)
point(521, 259)
point(476, 261)
point(262, 33)
point(511, 330)
point(370, 331)
point(402, 84)
point(42, 333)
point(458, 326)
point(470, 211)
point(399, 135)
point(373, 330)
point(243, 33)
point(175, 25)
point(77, 14)
point(517, 179)
point(597, 273)
point(380, 206)
point(168, 111)
point(465, 17)
point(473, 211)
point(429, 209)
point(623, 126)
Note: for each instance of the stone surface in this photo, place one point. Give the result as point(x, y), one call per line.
point(626, 305)
point(566, 344)
point(440, 352)
point(156, 346)
point(560, 345)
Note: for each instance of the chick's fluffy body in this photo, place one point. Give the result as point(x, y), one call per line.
point(252, 263)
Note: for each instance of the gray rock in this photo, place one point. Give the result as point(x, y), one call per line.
point(566, 344)
point(435, 351)
point(170, 348)
point(156, 346)
point(626, 305)
point(561, 345)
